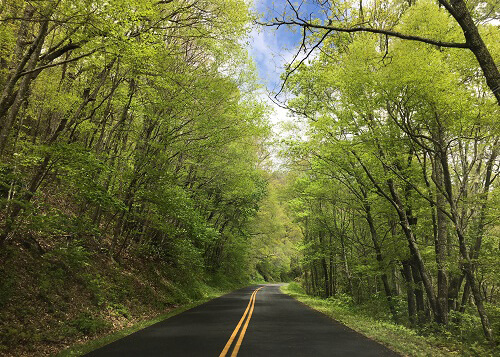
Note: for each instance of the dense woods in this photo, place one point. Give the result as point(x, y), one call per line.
point(127, 129)
point(130, 119)
point(395, 183)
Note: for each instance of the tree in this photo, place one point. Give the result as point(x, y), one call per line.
point(386, 123)
point(141, 117)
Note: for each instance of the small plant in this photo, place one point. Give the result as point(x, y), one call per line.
point(88, 324)
point(118, 310)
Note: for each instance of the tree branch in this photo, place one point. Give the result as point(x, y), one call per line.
point(403, 36)
point(57, 64)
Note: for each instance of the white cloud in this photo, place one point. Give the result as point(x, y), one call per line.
point(271, 49)
point(269, 56)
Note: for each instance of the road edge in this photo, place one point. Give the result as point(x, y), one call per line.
point(81, 349)
point(413, 346)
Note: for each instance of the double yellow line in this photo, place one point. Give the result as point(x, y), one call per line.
point(248, 311)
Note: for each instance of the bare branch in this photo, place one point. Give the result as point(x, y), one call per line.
point(403, 36)
point(288, 73)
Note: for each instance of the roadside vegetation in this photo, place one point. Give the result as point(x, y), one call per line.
point(74, 295)
point(369, 320)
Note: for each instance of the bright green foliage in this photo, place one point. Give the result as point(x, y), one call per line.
point(131, 129)
point(397, 195)
point(136, 120)
point(275, 238)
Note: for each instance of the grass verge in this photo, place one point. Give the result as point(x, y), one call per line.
point(81, 349)
point(396, 337)
point(74, 298)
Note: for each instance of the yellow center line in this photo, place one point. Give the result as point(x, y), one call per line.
point(250, 307)
point(235, 332)
point(244, 330)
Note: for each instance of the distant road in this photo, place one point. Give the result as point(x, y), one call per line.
point(251, 322)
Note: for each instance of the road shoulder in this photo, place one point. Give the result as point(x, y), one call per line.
point(395, 337)
point(81, 349)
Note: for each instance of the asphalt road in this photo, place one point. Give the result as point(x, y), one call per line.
point(272, 324)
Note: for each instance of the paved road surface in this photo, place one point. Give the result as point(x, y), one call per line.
point(272, 324)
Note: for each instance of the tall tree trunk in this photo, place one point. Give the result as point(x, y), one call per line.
point(9, 116)
point(410, 294)
point(44, 167)
point(455, 282)
point(380, 259)
point(315, 279)
point(468, 267)
point(481, 222)
point(324, 265)
point(480, 225)
point(20, 59)
point(419, 291)
point(398, 205)
point(441, 241)
point(333, 280)
point(414, 250)
point(346, 265)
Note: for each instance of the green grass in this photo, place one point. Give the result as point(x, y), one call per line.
point(396, 337)
point(81, 349)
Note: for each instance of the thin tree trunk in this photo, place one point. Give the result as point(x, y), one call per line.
point(20, 60)
point(415, 252)
point(396, 202)
point(440, 243)
point(468, 266)
point(419, 291)
point(410, 294)
point(44, 167)
point(380, 259)
point(453, 291)
point(346, 265)
point(324, 266)
point(9, 116)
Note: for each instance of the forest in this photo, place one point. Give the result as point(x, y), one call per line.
point(138, 170)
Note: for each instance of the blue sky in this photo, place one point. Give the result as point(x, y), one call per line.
point(272, 48)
